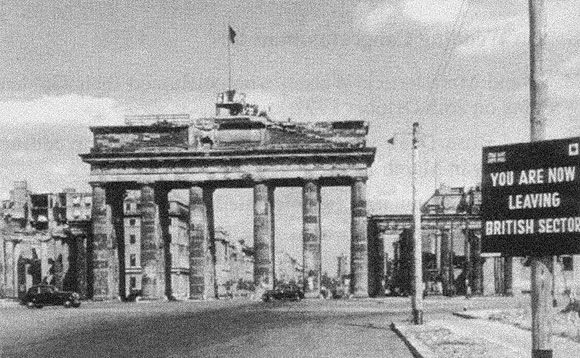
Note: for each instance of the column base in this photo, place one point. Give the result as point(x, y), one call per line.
point(312, 295)
point(359, 295)
point(105, 298)
point(152, 299)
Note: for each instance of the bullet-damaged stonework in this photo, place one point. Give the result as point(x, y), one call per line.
point(235, 149)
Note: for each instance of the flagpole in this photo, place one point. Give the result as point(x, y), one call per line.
point(229, 61)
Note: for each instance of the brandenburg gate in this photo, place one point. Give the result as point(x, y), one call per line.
point(238, 148)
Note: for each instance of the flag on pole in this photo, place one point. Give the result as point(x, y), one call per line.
point(232, 34)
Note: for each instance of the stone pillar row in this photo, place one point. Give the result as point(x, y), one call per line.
point(106, 270)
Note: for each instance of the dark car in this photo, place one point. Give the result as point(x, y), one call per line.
point(45, 295)
point(283, 293)
point(134, 296)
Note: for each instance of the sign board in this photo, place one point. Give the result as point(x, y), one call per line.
point(531, 198)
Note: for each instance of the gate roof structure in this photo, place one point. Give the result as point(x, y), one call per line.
point(229, 151)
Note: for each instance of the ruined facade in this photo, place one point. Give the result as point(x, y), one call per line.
point(44, 238)
point(234, 264)
point(234, 149)
point(47, 238)
point(451, 246)
point(176, 250)
point(288, 269)
point(452, 257)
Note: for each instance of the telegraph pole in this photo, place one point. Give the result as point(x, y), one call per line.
point(541, 277)
point(417, 298)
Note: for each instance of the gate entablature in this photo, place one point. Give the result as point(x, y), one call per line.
point(232, 151)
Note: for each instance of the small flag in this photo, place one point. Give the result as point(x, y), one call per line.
point(232, 34)
point(391, 140)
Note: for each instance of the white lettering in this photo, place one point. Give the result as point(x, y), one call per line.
point(570, 173)
point(509, 227)
point(489, 228)
point(523, 178)
point(561, 174)
point(502, 178)
point(534, 201)
point(529, 226)
point(531, 176)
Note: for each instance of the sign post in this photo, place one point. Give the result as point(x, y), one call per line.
point(530, 194)
point(541, 276)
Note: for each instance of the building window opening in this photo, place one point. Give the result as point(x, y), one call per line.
point(567, 263)
point(133, 260)
point(132, 222)
point(127, 207)
point(133, 282)
point(132, 239)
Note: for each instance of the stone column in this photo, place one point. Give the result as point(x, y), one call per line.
point(10, 261)
point(44, 269)
point(377, 261)
point(508, 276)
point(263, 240)
point(447, 262)
point(116, 198)
point(164, 222)
point(477, 264)
point(271, 201)
point(15, 268)
point(58, 263)
point(438, 250)
point(358, 246)
point(468, 262)
point(152, 258)
point(201, 263)
point(104, 261)
point(81, 253)
point(311, 235)
point(3, 268)
point(211, 259)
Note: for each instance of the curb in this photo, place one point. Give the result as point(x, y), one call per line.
point(464, 315)
point(476, 314)
point(9, 302)
point(418, 349)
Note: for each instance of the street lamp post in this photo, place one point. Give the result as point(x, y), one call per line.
point(417, 298)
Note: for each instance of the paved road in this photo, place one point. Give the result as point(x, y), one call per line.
point(230, 328)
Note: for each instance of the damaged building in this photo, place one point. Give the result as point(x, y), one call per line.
point(47, 238)
point(451, 245)
point(44, 238)
point(451, 250)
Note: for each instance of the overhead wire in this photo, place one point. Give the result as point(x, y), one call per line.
point(435, 85)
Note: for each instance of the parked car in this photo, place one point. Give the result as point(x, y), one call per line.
point(283, 293)
point(134, 296)
point(44, 295)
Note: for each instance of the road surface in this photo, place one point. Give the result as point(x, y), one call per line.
point(224, 328)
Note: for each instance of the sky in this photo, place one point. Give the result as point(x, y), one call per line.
point(457, 67)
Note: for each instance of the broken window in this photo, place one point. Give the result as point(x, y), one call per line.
point(567, 263)
point(133, 260)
